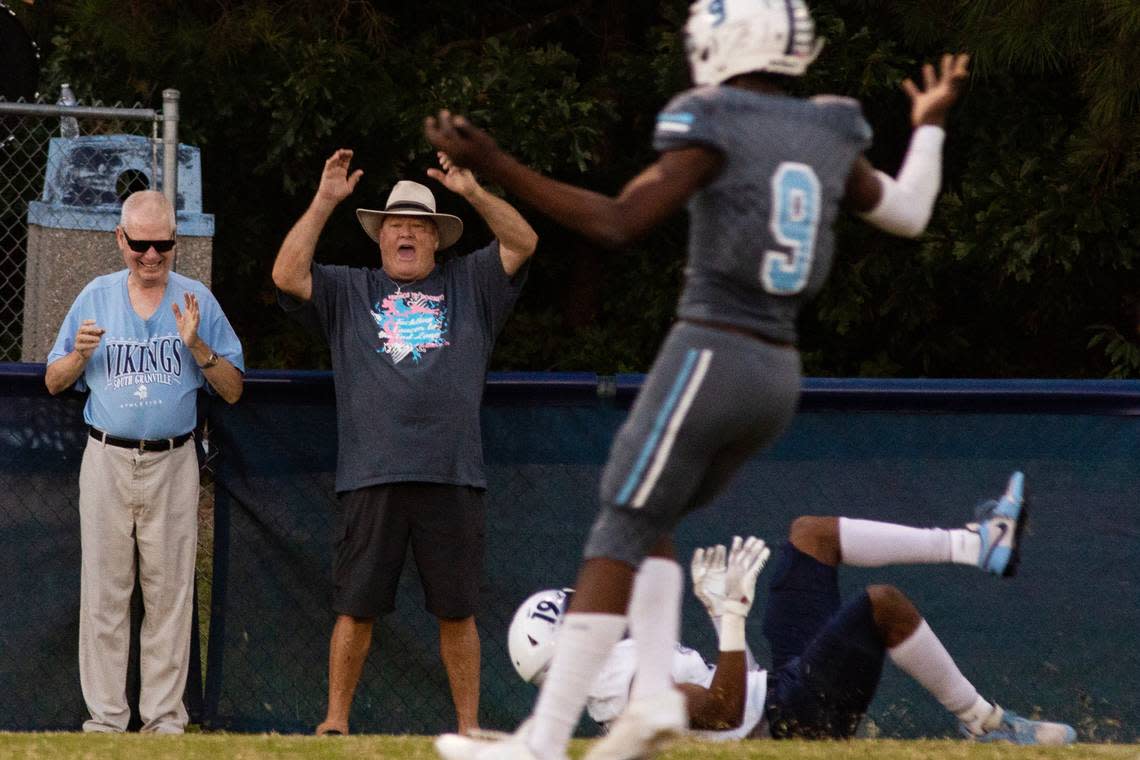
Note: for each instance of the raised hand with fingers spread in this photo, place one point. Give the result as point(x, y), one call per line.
point(941, 89)
point(707, 571)
point(454, 177)
point(745, 561)
point(336, 181)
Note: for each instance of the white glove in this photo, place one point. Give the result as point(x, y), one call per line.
point(707, 571)
point(745, 561)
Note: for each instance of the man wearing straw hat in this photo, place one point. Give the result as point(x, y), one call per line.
point(410, 342)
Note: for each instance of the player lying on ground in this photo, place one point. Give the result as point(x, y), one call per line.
point(827, 655)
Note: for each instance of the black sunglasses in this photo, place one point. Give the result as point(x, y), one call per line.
point(142, 246)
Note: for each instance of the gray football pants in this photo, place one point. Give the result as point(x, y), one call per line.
point(712, 399)
point(148, 500)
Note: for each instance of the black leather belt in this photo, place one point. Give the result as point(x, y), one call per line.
point(159, 444)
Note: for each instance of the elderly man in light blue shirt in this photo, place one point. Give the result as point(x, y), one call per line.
point(141, 342)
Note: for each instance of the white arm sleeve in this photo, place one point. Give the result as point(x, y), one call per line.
point(907, 201)
point(731, 639)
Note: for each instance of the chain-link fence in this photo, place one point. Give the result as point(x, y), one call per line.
point(64, 172)
point(29, 159)
point(1046, 642)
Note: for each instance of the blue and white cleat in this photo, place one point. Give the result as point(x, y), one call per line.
point(1014, 729)
point(1000, 525)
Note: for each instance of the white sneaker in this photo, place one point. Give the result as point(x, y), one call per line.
point(645, 727)
point(459, 747)
point(488, 745)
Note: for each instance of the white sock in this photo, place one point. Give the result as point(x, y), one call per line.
point(655, 623)
point(867, 543)
point(583, 644)
point(923, 658)
point(981, 717)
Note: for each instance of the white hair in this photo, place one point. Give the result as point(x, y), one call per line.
point(144, 201)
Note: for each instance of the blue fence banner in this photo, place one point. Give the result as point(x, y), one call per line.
point(1059, 640)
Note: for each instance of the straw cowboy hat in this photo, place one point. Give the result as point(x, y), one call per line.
point(411, 199)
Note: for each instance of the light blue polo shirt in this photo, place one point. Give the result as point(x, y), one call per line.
point(142, 382)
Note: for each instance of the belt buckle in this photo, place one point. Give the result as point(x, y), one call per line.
point(142, 446)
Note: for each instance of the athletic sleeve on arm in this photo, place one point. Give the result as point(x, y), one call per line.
point(689, 120)
point(908, 200)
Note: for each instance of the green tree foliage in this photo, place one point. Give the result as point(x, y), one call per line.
point(1028, 268)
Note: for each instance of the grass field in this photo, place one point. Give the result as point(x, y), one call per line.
point(260, 747)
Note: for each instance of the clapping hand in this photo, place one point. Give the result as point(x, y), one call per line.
point(930, 105)
point(707, 571)
point(188, 322)
point(745, 561)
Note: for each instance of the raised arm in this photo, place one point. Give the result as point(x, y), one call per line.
point(721, 705)
point(292, 269)
point(517, 239)
point(707, 570)
point(649, 198)
point(903, 205)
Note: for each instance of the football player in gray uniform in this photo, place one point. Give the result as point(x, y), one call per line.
point(764, 176)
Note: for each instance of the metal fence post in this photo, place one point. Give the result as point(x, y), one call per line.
point(170, 146)
point(170, 153)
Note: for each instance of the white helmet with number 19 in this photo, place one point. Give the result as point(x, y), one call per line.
point(531, 635)
point(729, 37)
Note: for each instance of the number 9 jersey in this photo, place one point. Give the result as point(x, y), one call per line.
point(760, 234)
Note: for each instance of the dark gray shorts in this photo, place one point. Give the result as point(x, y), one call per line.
point(712, 399)
point(444, 524)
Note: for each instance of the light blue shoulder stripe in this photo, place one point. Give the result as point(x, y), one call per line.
point(678, 117)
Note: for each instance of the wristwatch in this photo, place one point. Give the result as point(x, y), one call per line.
point(210, 362)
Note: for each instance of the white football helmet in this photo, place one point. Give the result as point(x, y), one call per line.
point(728, 37)
point(530, 639)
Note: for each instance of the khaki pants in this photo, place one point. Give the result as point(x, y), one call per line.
point(148, 500)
